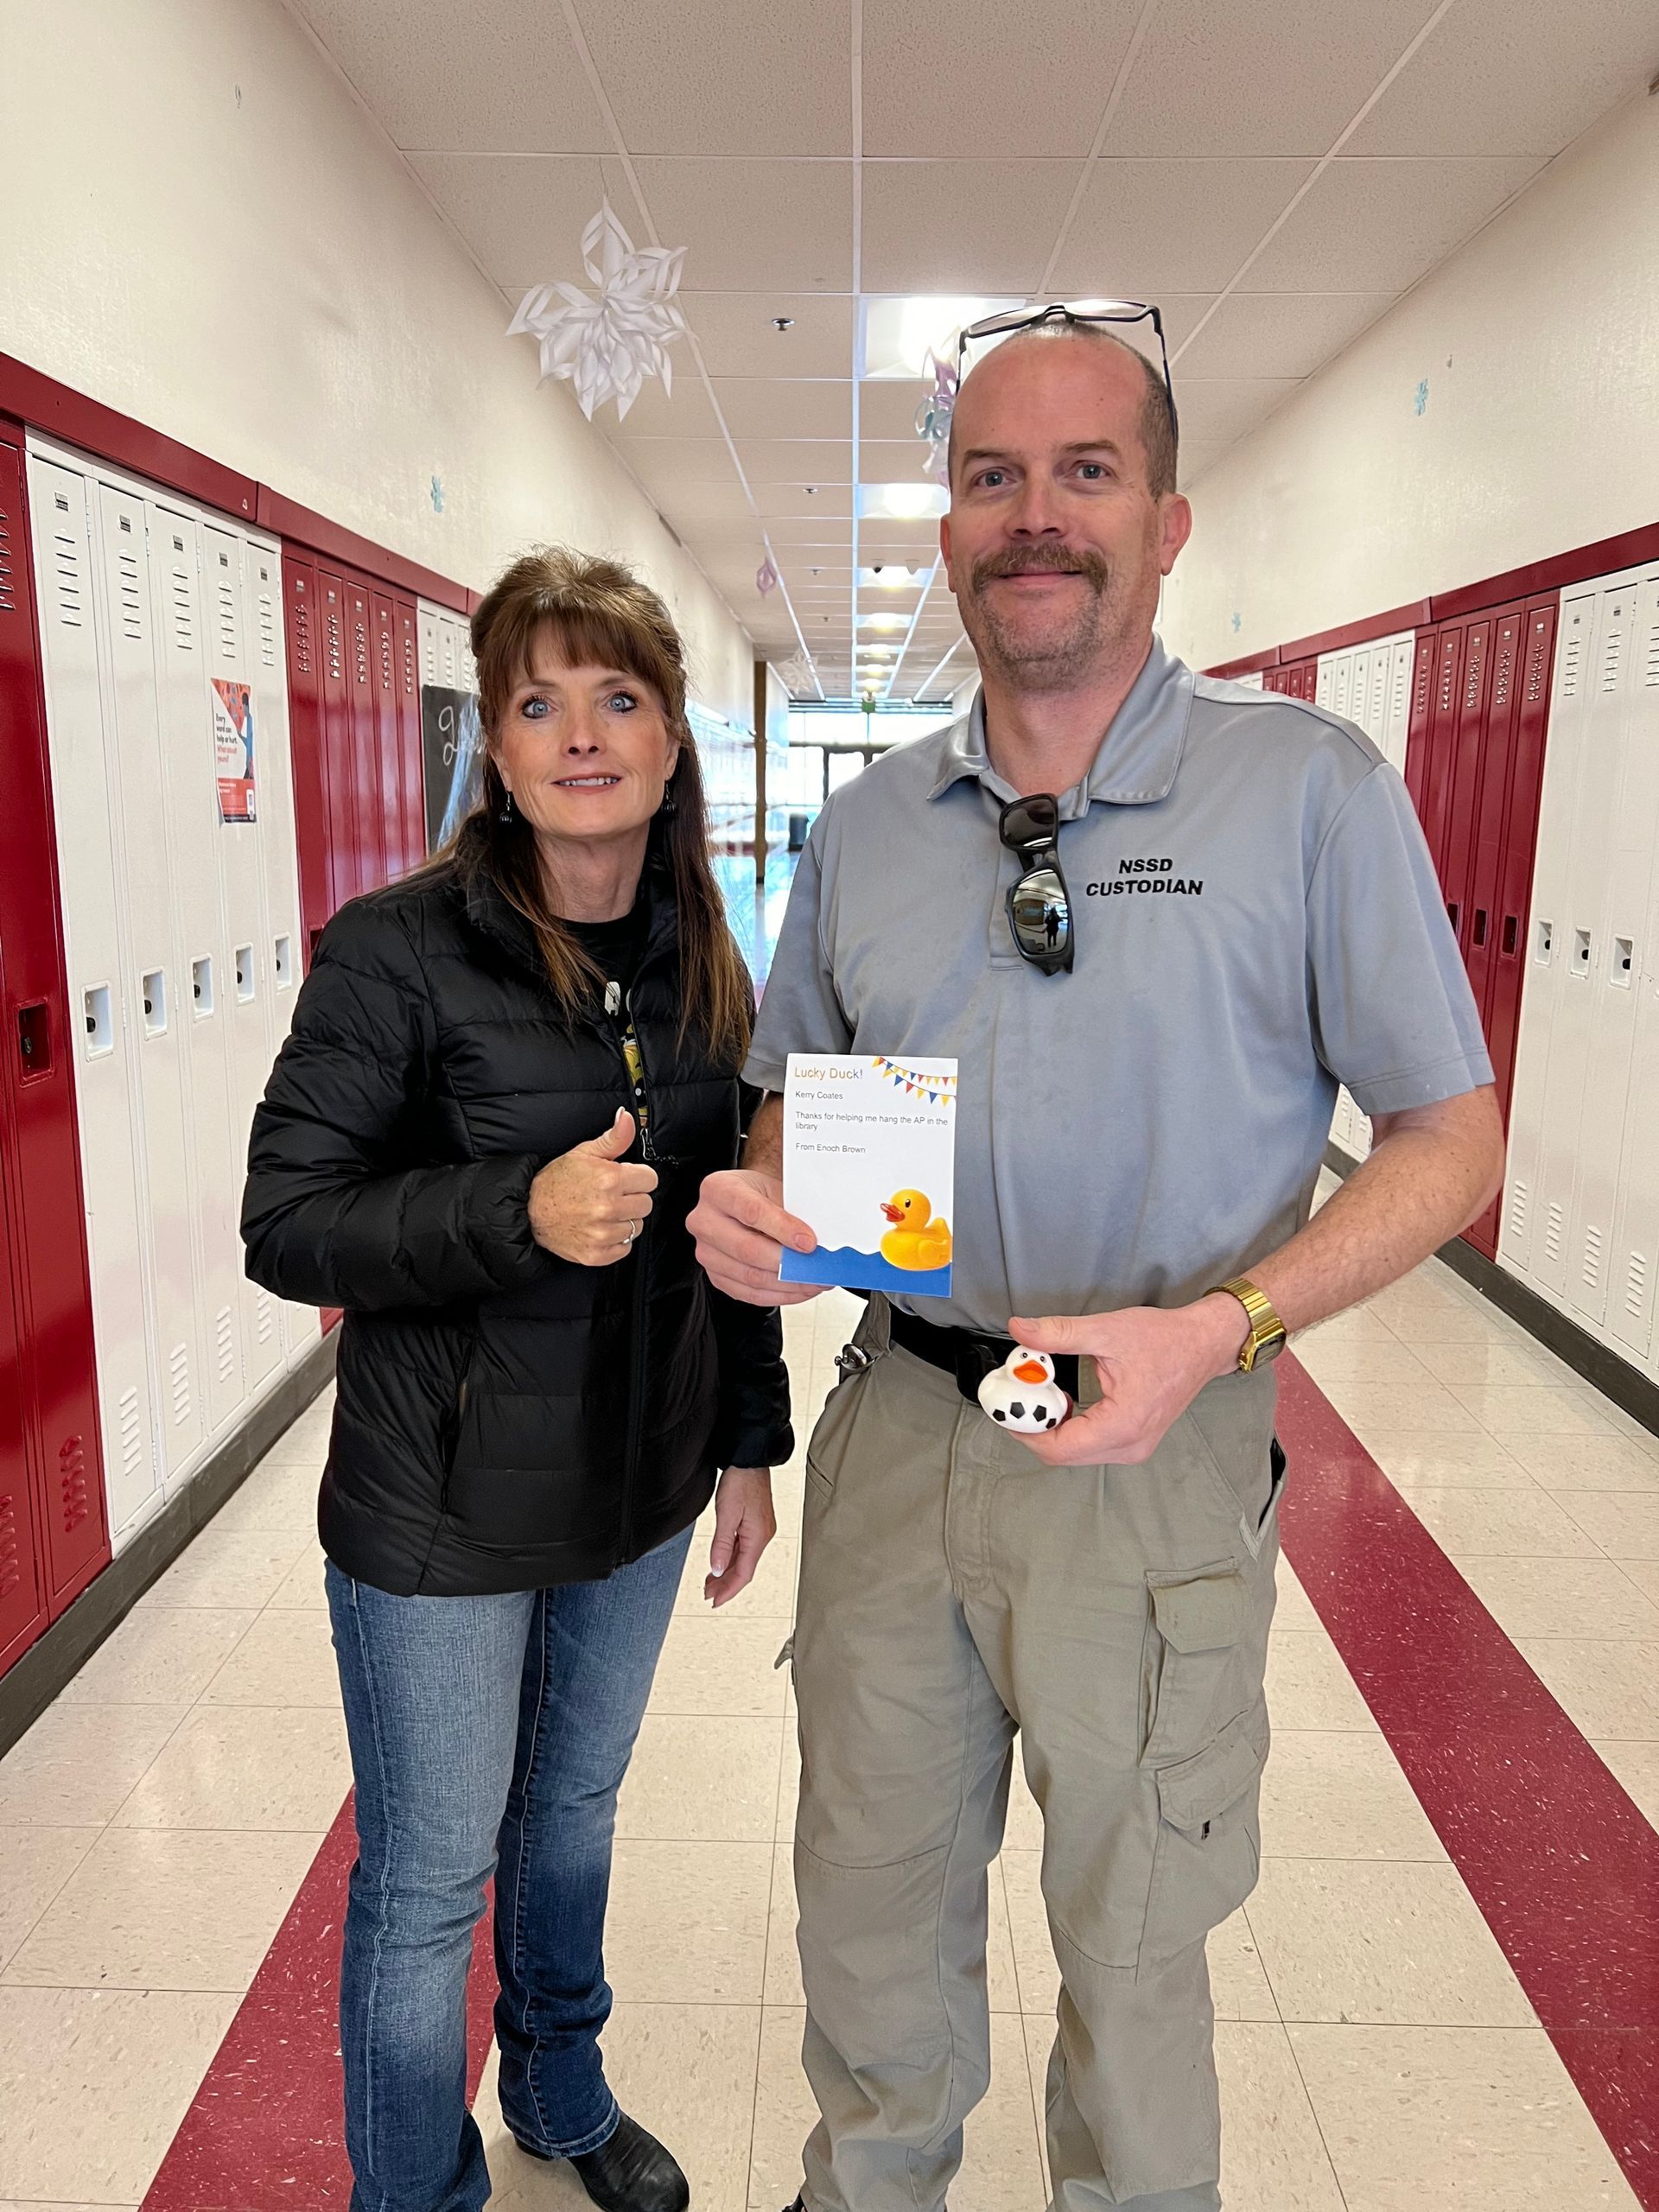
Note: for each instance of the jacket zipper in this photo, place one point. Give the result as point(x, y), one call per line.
point(622, 1021)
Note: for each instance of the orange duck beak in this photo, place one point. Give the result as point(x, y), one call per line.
point(1029, 1371)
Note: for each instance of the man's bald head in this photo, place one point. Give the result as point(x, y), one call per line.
point(1160, 428)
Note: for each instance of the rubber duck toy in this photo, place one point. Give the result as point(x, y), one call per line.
point(916, 1242)
point(1022, 1394)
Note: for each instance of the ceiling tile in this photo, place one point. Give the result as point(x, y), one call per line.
point(684, 413)
point(668, 463)
point(756, 407)
point(1376, 226)
point(833, 535)
point(796, 460)
point(886, 414)
point(744, 77)
point(933, 85)
point(888, 460)
point(1264, 334)
point(1148, 227)
point(735, 332)
point(1488, 80)
point(919, 541)
point(1196, 459)
point(1279, 77)
point(493, 76)
point(688, 504)
point(794, 499)
point(1219, 409)
point(524, 218)
point(975, 226)
point(749, 225)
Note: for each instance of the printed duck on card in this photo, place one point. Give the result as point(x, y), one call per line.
point(869, 1164)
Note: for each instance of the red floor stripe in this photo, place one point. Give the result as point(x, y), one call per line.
point(1559, 1861)
point(1562, 1865)
point(264, 2132)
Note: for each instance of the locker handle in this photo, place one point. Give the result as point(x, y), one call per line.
point(1480, 926)
point(1581, 953)
point(1451, 912)
point(1623, 961)
point(1511, 935)
point(34, 1039)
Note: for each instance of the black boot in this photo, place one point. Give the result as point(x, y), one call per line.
point(630, 2172)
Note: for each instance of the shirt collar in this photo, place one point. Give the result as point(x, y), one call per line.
point(1138, 757)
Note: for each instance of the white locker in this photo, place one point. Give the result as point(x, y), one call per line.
point(1401, 652)
point(140, 847)
point(1633, 987)
point(1324, 680)
point(106, 1079)
point(1578, 951)
point(201, 950)
point(262, 571)
point(1251, 682)
point(230, 667)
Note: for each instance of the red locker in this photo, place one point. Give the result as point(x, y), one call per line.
point(52, 1524)
point(1442, 742)
point(302, 625)
point(1465, 768)
point(409, 732)
point(361, 745)
point(1479, 935)
point(388, 752)
point(1420, 724)
point(335, 747)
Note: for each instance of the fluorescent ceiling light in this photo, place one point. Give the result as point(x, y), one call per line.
point(895, 336)
point(901, 502)
point(884, 621)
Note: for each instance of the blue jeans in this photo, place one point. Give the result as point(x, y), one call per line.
point(487, 1733)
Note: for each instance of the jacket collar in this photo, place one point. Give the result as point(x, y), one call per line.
point(1139, 755)
point(491, 913)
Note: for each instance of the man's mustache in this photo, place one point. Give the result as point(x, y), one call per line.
point(1038, 559)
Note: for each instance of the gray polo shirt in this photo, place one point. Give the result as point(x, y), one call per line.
point(1257, 919)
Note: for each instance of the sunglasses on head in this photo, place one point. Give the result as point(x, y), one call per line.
point(1039, 905)
point(1100, 313)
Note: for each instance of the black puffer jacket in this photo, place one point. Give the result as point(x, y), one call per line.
point(505, 1420)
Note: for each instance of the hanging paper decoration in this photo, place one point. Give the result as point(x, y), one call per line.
point(934, 1087)
point(795, 676)
point(766, 577)
point(933, 418)
point(607, 346)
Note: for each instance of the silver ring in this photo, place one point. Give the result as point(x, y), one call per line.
point(633, 1230)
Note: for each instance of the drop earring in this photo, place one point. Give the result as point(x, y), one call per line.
point(670, 805)
point(506, 814)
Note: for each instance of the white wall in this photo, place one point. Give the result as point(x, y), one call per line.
point(1540, 343)
point(205, 230)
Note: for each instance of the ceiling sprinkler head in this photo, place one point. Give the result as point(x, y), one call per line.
point(783, 322)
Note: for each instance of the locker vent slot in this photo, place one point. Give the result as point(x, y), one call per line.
point(1650, 667)
point(7, 601)
point(1552, 1227)
point(11, 1568)
point(132, 1432)
point(1589, 1267)
point(360, 648)
point(387, 677)
point(244, 973)
point(1505, 670)
point(72, 1494)
point(226, 619)
point(1635, 1286)
point(67, 578)
point(265, 1308)
point(1612, 650)
point(267, 630)
point(132, 606)
point(1571, 662)
point(335, 642)
point(184, 613)
point(1537, 654)
point(100, 1026)
point(303, 637)
point(1517, 1210)
point(225, 1343)
point(178, 1367)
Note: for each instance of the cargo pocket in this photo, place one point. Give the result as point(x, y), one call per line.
point(1209, 1847)
point(1198, 1614)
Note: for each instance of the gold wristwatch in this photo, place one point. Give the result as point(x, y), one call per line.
point(1266, 1338)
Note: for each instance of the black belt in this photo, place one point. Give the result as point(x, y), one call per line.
point(968, 1356)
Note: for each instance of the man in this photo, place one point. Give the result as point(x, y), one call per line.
point(1247, 915)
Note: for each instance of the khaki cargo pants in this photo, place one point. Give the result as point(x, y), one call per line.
point(955, 1591)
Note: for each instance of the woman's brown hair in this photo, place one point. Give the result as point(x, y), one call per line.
point(601, 616)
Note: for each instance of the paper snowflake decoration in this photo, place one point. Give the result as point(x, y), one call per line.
point(608, 345)
point(795, 676)
point(933, 418)
point(766, 577)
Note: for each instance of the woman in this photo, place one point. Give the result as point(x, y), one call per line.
point(506, 1078)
